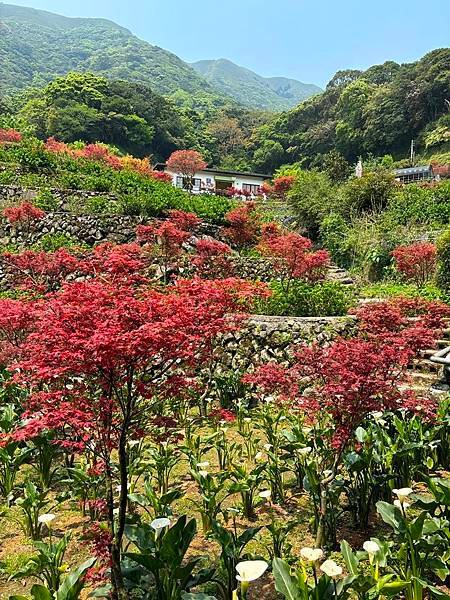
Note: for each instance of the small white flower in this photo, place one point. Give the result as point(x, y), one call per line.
point(258, 456)
point(377, 415)
point(265, 494)
point(47, 518)
point(249, 570)
point(247, 419)
point(403, 493)
point(330, 568)
point(267, 447)
point(371, 548)
point(132, 443)
point(204, 464)
point(203, 473)
point(400, 505)
point(311, 555)
point(158, 524)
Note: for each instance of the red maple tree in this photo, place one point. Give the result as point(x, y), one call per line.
point(416, 262)
point(23, 214)
point(213, 259)
point(243, 227)
point(186, 163)
point(96, 356)
point(339, 385)
point(293, 256)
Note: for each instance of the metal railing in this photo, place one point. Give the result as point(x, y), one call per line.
point(442, 357)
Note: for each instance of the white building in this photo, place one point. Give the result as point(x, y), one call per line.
point(216, 180)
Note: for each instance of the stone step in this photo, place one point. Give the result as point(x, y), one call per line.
point(424, 365)
point(427, 379)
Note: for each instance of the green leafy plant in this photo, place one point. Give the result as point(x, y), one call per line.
point(162, 555)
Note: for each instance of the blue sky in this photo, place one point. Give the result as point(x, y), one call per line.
point(305, 39)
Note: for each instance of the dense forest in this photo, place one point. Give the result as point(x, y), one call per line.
point(377, 112)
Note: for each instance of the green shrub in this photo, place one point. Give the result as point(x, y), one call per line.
point(389, 289)
point(334, 231)
point(419, 204)
point(443, 270)
point(7, 178)
point(130, 205)
point(30, 155)
point(53, 241)
point(322, 299)
point(46, 200)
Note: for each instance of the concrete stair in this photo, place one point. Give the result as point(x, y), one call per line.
point(427, 377)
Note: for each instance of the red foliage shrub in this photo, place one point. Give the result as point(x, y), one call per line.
point(24, 214)
point(267, 189)
point(9, 136)
point(416, 261)
point(282, 185)
point(40, 272)
point(212, 260)
point(160, 176)
point(222, 414)
point(16, 322)
point(122, 263)
point(183, 220)
point(53, 145)
point(244, 225)
point(293, 256)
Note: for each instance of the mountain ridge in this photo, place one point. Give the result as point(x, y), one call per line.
point(250, 88)
point(36, 46)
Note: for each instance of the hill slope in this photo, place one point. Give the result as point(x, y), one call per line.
point(251, 89)
point(36, 46)
point(377, 111)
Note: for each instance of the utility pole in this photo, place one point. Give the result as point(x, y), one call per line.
point(412, 156)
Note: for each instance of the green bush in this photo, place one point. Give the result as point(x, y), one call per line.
point(443, 270)
point(419, 204)
point(389, 289)
point(30, 155)
point(46, 200)
point(322, 299)
point(54, 241)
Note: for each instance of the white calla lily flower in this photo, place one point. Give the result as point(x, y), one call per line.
point(371, 548)
point(330, 568)
point(311, 555)
point(403, 493)
point(204, 464)
point(203, 473)
point(249, 570)
point(402, 505)
point(47, 518)
point(265, 494)
point(161, 523)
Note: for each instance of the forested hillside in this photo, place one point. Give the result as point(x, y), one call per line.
point(36, 46)
point(377, 111)
point(132, 117)
point(250, 89)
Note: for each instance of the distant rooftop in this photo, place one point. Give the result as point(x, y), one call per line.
point(414, 170)
point(162, 166)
